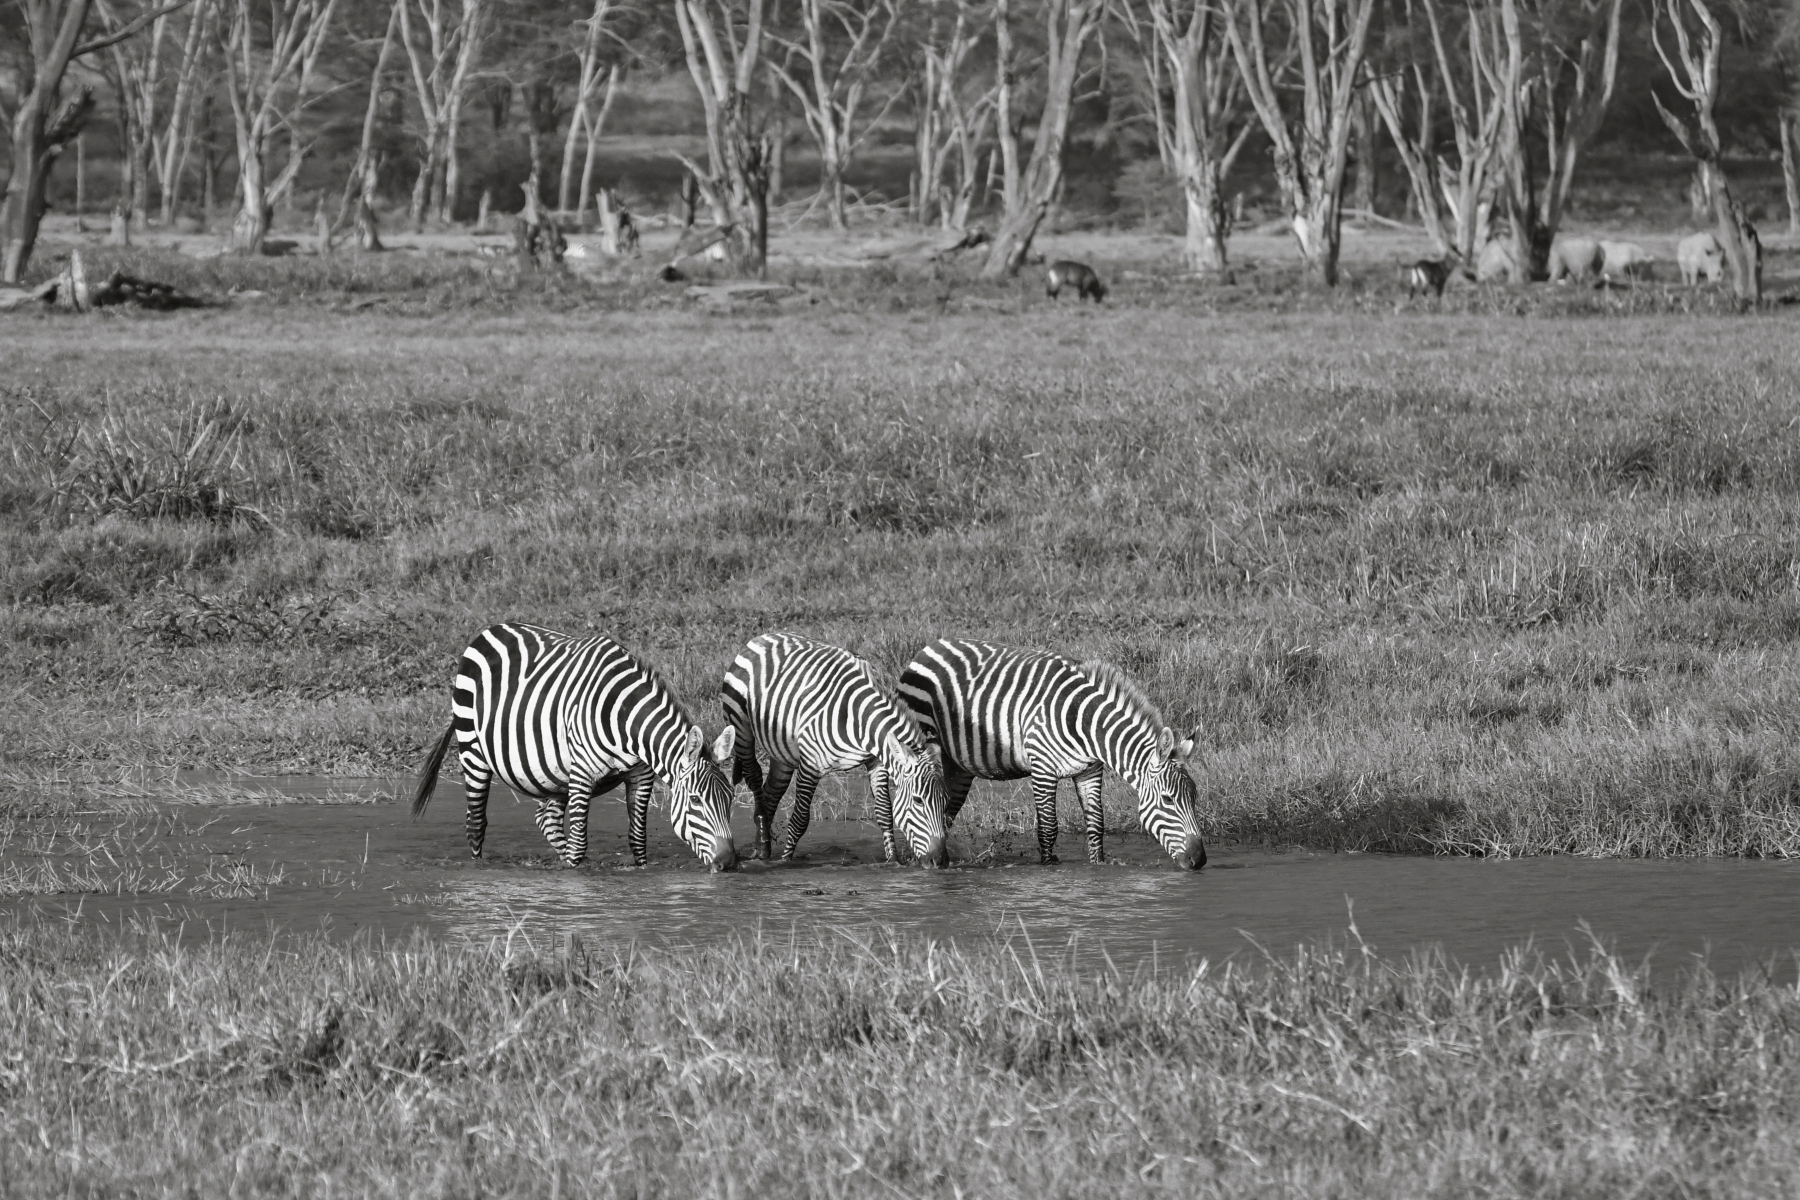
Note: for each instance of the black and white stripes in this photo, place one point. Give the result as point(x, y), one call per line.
point(815, 708)
point(1000, 713)
point(565, 719)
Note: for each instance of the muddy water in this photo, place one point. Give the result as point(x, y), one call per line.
point(345, 857)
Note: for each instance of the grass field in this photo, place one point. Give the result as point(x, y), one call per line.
point(1428, 581)
point(1518, 573)
point(874, 1067)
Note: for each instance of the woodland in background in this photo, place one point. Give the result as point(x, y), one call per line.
point(1469, 118)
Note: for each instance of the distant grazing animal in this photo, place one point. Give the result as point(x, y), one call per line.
point(815, 708)
point(1076, 275)
point(1700, 254)
point(1621, 260)
point(1496, 262)
point(1001, 713)
point(565, 719)
point(1426, 275)
point(1577, 259)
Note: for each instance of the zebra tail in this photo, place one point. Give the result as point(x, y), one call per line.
point(428, 775)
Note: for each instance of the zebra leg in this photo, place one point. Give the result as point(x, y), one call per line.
point(477, 778)
point(744, 767)
point(768, 799)
point(637, 803)
point(1087, 787)
point(881, 789)
point(800, 815)
point(549, 817)
point(1043, 796)
point(957, 782)
point(581, 792)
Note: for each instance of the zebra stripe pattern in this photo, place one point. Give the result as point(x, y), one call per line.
point(816, 708)
point(565, 719)
point(1001, 713)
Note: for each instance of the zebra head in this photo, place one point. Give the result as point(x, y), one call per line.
point(919, 799)
point(700, 798)
point(1169, 803)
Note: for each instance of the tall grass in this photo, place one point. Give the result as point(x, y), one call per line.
point(877, 1067)
point(1427, 582)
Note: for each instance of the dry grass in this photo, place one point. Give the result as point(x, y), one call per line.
point(876, 1067)
point(1435, 582)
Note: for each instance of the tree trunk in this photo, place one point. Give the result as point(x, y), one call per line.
point(1208, 222)
point(1743, 251)
point(37, 140)
point(251, 224)
point(1070, 24)
point(1790, 174)
point(1362, 115)
point(368, 232)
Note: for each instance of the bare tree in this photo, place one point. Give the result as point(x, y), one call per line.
point(1467, 77)
point(1068, 27)
point(1309, 133)
point(443, 41)
point(43, 121)
point(723, 43)
point(1198, 102)
point(269, 68)
point(134, 68)
point(828, 69)
point(595, 88)
point(359, 185)
point(172, 143)
point(1699, 38)
point(1553, 79)
point(952, 124)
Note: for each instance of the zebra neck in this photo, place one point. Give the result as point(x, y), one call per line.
point(662, 749)
point(1128, 747)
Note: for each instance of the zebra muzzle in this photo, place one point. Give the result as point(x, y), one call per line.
point(1193, 854)
point(937, 854)
point(724, 855)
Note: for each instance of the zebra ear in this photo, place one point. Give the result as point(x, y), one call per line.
point(1165, 742)
point(723, 747)
point(1184, 749)
point(690, 751)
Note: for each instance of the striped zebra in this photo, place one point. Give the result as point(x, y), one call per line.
point(565, 719)
point(815, 708)
point(1001, 713)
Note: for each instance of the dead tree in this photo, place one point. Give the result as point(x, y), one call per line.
point(172, 143)
point(828, 69)
point(952, 124)
point(134, 68)
point(1553, 79)
point(43, 122)
point(359, 186)
point(595, 88)
point(443, 43)
point(723, 41)
point(1197, 99)
point(1068, 27)
point(1694, 72)
point(1309, 129)
point(268, 74)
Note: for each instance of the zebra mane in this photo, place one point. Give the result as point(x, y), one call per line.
point(661, 681)
point(1115, 683)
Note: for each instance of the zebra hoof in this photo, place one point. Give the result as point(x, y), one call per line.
point(1047, 859)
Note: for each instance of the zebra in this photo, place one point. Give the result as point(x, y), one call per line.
point(1002, 713)
point(816, 708)
point(565, 719)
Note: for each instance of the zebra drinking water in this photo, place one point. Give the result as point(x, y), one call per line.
point(816, 708)
point(1001, 713)
point(565, 719)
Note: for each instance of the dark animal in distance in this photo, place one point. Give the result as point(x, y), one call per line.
point(1075, 275)
point(1428, 274)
